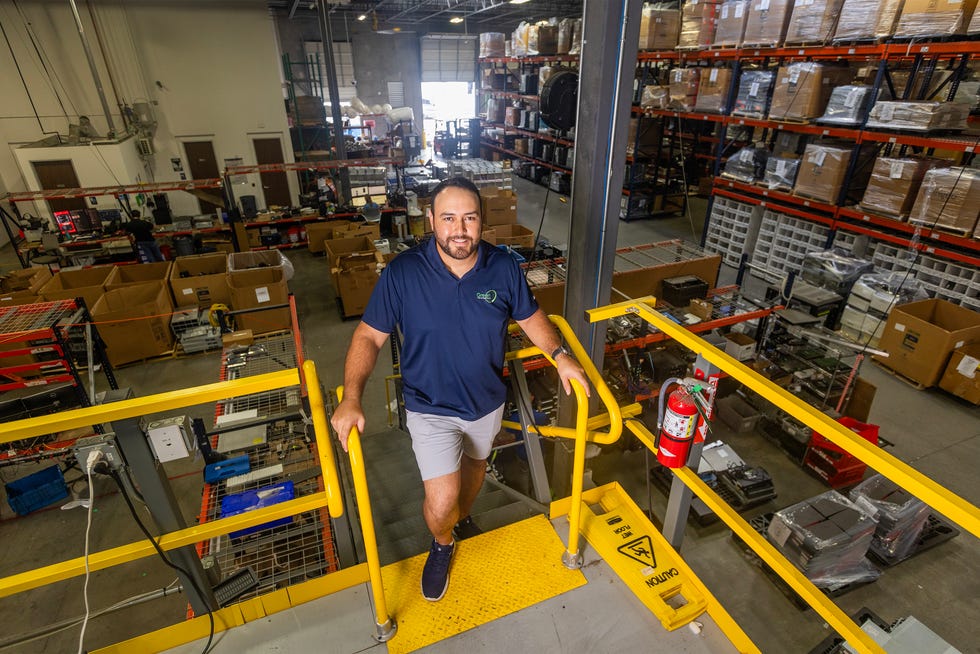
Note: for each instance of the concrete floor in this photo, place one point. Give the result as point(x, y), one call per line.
point(931, 430)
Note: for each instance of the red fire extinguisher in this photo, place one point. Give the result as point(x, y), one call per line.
point(677, 425)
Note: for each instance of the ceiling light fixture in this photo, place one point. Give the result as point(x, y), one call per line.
point(456, 19)
point(518, 2)
point(362, 17)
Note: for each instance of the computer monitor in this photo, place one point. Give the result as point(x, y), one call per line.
point(110, 216)
point(65, 222)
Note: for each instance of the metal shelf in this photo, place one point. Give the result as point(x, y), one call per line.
point(529, 59)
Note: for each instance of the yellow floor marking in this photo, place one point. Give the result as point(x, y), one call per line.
point(493, 575)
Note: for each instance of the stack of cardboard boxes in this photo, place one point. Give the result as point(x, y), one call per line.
point(355, 265)
point(22, 286)
point(499, 209)
point(659, 28)
point(257, 281)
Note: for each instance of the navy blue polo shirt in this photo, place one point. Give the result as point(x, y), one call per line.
point(453, 330)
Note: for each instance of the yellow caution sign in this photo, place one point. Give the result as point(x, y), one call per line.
point(643, 559)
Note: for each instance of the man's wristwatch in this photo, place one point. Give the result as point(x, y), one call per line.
point(561, 349)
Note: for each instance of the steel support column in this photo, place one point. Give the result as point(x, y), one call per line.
point(611, 30)
point(326, 33)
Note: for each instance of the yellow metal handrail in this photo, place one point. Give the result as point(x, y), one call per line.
point(939, 498)
point(85, 417)
point(946, 502)
point(384, 624)
point(613, 410)
point(572, 558)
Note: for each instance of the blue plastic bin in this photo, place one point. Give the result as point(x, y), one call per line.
point(36, 490)
point(257, 499)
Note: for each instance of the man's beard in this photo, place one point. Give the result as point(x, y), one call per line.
point(457, 251)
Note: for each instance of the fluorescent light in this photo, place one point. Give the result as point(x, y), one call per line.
point(518, 2)
point(362, 17)
point(456, 19)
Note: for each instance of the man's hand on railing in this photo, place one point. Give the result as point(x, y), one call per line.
point(347, 415)
point(569, 369)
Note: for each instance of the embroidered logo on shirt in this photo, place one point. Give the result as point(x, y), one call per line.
point(489, 296)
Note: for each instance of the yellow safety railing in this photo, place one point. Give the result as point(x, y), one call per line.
point(614, 413)
point(384, 624)
point(330, 497)
point(939, 498)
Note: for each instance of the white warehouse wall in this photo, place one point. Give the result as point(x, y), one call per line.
point(209, 70)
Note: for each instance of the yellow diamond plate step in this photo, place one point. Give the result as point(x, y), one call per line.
point(643, 558)
point(494, 574)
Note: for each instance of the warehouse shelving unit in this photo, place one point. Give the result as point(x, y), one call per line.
point(788, 225)
point(41, 352)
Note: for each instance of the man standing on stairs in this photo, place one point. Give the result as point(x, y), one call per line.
point(450, 300)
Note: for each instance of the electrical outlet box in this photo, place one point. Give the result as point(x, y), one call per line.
point(105, 443)
point(171, 438)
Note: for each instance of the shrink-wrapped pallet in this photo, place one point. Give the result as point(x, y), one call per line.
point(697, 24)
point(813, 21)
point(863, 20)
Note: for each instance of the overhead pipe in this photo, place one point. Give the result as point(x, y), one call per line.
point(92, 67)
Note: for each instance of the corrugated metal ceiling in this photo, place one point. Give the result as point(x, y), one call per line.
point(481, 14)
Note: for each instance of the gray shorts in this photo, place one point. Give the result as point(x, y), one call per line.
point(440, 441)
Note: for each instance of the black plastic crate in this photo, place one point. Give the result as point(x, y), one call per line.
point(679, 291)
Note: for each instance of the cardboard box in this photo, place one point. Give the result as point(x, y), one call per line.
point(659, 28)
point(134, 322)
point(962, 376)
point(87, 283)
point(498, 206)
point(684, 84)
point(948, 198)
point(867, 19)
point(318, 232)
point(158, 271)
point(713, 90)
point(700, 308)
point(238, 261)
point(921, 18)
point(740, 346)
point(737, 414)
point(240, 337)
point(822, 172)
point(894, 185)
point(803, 89)
point(18, 298)
point(767, 21)
point(813, 22)
point(27, 279)
point(256, 288)
point(336, 248)
point(516, 236)
point(354, 281)
point(512, 116)
point(730, 25)
point(920, 337)
point(697, 24)
point(200, 280)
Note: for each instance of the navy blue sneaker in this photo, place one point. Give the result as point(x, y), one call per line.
point(466, 528)
point(435, 574)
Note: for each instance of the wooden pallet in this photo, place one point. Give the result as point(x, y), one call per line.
point(945, 229)
point(899, 376)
